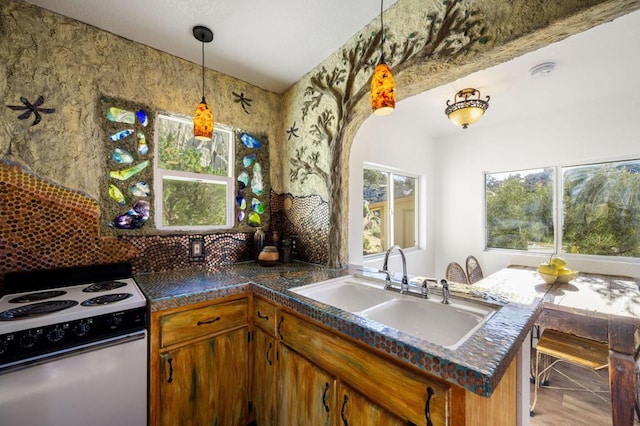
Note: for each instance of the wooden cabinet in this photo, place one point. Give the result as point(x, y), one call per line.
point(200, 366)
point(264, 315)
point(264, 362)
point(390, 389)
point(356, 410)
point(306, 393)
point(239, 360)
point(373, 389)
point(264, 377)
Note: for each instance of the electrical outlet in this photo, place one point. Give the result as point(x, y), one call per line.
point(196, 249)
point(294, 245)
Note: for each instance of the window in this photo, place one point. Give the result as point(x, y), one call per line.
point(602, 209)
point(389, 210)
point(519, 210)
point(193, 178)
point(599, 205)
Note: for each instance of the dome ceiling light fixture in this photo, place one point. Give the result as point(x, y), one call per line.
point(383, 86)
point(203, 117)
point(466, 110)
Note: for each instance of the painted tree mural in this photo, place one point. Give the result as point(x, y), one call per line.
point(332, 95)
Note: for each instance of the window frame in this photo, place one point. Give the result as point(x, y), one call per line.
point(159, 174)
point(390, 205)
point(558, 213)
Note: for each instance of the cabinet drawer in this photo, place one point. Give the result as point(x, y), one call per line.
point(203, 321)
point(264, 315)
point(396, 389)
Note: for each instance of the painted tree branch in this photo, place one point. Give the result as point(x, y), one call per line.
point(305, 167)
point(444, 38)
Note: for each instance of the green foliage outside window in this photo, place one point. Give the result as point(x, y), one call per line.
point(520, 210)
point(189, 203)
point(179, 150)
point(195, 175)
point(602, 209)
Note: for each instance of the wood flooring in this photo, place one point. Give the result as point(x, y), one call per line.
point(575, 408)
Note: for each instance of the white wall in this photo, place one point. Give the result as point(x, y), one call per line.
point(531, 123)
point(394, 142)
point(607, 129)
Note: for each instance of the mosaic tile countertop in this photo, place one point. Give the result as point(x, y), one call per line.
point(476, 365)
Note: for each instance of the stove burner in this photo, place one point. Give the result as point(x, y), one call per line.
point(105, 299)
point(36, 309)
point(104, 286)
point(35, 297)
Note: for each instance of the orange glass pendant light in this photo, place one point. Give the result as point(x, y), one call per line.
point(383, 86)
point(383, 90)
point(203, 117)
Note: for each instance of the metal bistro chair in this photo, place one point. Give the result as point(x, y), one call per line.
point(566, 347)
point(474, 271)
point(456, 274)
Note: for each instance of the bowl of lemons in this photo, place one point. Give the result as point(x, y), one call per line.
point(556, 271)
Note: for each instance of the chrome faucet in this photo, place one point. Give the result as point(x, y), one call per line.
point(405, 281)
point(445, 291)
point(424, 289)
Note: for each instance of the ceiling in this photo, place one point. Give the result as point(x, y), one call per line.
point(270, 44)
point(590, 66)
point(273, 44)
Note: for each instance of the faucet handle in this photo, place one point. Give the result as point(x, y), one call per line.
point(424, 288)
point(445, 292)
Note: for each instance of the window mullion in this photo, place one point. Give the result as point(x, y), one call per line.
point(391, 234)
point(558, 211)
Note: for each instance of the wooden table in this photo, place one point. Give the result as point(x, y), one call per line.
point(599, 307)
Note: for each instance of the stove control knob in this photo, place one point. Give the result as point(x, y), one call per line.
point(55, 335)
point(114, 322)
point(81, 328)
point(4, 343)
point(28, 340)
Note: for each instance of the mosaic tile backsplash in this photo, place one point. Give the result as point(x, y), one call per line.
point(44, 225)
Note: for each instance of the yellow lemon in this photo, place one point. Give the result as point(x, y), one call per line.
point(558, 262)
point(547, 268)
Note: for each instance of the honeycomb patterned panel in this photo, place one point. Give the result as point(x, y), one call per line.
point(43, 225)
point(308, 218)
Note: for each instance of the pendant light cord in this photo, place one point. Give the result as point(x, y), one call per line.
point(382, 32)
point(203, 101)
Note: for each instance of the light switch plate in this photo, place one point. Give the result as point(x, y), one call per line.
point(196, 249)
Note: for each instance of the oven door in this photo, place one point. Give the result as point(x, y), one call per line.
point(100, 384)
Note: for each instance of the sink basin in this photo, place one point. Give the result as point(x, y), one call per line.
point(351, 294)
point(446, 325)
point(427, 319)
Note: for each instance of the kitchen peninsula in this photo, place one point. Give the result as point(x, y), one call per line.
point(400, 377)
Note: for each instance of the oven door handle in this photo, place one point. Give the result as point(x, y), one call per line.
point(68, 352)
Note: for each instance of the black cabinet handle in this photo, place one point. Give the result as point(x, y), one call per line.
point(264, 317)
point(427, 408)
point(279, 325)
point(170, 379)
point(324, 396)
point(209, 321)
point(268, 350)
point(345, 422)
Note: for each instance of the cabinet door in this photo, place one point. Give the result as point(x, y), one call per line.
point(206, 382)
point(264, 379)
point(306, 394)
point(356, 410)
